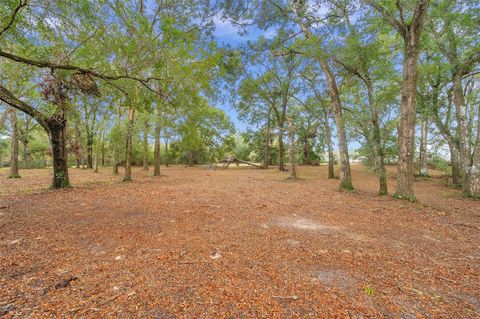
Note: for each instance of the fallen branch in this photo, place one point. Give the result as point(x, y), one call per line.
point(227, 161)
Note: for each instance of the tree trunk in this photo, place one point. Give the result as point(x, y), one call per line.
point(115, 147)
point(463, 132)
point(57, 128)
point(281, 150)
point(78, 146)
point(406, 130)
point(156, 154)
point(115, 163)
point(379, 156)
point(167, 155)
point(14, 145)
point(474, 190)
point(422, 161)
point(89, 150)
point(345, 172)
point(103, 152)
point(145, 146)
point(293, 152)
point(306, 151)
point(26, 150)
point(128, 146)
point(328, 140)
point(97, 151)
point(266, 144)
point(454, 161)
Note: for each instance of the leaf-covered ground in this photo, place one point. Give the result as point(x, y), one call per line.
point(236, 243)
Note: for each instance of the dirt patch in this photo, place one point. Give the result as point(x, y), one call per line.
point(305, 224)
point(337, 279)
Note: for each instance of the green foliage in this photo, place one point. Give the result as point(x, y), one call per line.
point(370, 291)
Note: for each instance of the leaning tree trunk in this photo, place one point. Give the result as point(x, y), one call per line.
point(422, 161)
point(406, 130)
point(345, 172)
point(57, 131)
point(156, 152)
point(128, 145)
point(328, 140)
point(14, 145)
point(145, 146)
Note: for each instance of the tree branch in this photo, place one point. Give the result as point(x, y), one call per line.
point(399, 26)
point(7, 97)
point(51, 65)
point(20, 5)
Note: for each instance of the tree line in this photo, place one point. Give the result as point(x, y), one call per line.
point(106, 79)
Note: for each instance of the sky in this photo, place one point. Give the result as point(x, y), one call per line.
point(227, 34)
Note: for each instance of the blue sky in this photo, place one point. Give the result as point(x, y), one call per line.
point(227, 34)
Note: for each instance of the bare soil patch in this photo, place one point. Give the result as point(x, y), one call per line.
point(236, 243)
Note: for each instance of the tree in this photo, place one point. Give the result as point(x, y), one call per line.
point(302, 17)
point(409, 26)
point(457, 40)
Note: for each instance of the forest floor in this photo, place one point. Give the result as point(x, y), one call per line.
point(235, 243)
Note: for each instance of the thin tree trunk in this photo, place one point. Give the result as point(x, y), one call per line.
point(89, 150)
point(115, 147)
point(293, 152)
point(145, 146)
point(57, 128)
point(266, 144)
point(328, 140)
point(103, 152)
point(25, 141)
point(14, 145)
point(281, 150)
point(128, 145)
point(422, 161)
point(156, 154)
point(167, 155)
point(97, 151)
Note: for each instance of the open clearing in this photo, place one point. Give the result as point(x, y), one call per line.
point(236, 243)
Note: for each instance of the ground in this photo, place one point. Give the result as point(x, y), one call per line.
point(235, 243)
